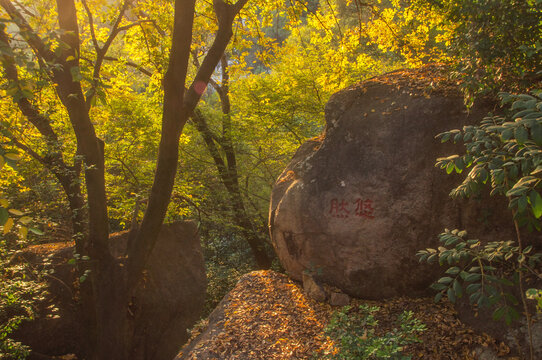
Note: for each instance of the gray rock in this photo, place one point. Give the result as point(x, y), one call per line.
point(359, 203)
point(169, 301)
point(173, 295)
point(484, 353)
point(313, 289)
point(339, 299)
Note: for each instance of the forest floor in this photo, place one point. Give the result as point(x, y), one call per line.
point(268, 316)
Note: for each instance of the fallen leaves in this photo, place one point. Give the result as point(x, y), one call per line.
point(267, 316)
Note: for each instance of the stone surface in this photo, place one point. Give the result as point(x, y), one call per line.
point(312, 288)
point(169, 302)
point(359, 202)
point(339, 299)
point(172, 297)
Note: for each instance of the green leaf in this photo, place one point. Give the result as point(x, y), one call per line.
point(12, 156)
point(507, 134)
point(25, 219)
point(4, 216)
point(438, 287)
point(473, 277)
point(521, 134)
point(76, 74)
point(453, 270)
point(471, 288)
point(457, 137)
point(519, 190)
point(458, 289)
point(499, 313)
point(8, 225)
point(451, 295)
point(16, 212)
point(506, 282)
point(450, 167)
point(26, 94)
point(444, 137)
point(459, 165)
point(536, 203)
point(536, 133)
point(438, 297)
point(23, 231)
point(36, 231)
point(522, 203)
point(475, 297)
point(445, 280)
point(510, 315)
point(533, 294)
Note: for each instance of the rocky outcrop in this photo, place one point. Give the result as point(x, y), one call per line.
point(355, 205)
point(266, 316)
point(173, 295)
point(313, 289)
point(169, 301)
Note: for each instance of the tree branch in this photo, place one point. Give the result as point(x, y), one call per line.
point(225, 14)
point(28, 150)
point(91, 25)
point(102, 51)
point(29, 111)
point(30, 36)
point(140, 68)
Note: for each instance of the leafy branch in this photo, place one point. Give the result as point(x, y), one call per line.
point(504, 152)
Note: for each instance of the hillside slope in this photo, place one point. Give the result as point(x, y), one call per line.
point(267, 316)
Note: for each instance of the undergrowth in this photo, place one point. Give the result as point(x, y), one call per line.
point(355, 335)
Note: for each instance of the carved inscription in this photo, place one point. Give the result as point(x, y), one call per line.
point(361, 208)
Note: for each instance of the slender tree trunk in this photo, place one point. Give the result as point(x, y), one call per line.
point(228, 169)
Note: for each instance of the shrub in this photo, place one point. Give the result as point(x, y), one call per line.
point(355, 335)
point(19, 294)
point(505, 153)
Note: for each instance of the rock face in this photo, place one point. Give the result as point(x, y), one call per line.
point(169, 302)
point(313, 289)
point(339, 299)
point(173, 296)
point(358, 203)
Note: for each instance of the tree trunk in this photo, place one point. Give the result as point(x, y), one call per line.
point(228, 170)
point(178, 106)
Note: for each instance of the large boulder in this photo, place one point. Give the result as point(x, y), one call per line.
point(355, 205)
point(169, 301)
point(173, 294)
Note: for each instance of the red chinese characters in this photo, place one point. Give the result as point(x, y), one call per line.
point(339, 209)
point(362, 208)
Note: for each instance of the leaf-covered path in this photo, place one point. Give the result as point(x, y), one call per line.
point(267, 316)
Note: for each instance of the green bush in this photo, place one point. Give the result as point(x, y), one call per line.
point(505, 153)
point(20, 290)
point(355, 336)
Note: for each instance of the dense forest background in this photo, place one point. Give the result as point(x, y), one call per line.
point(266, 96)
